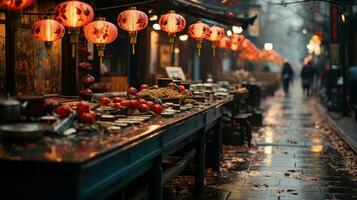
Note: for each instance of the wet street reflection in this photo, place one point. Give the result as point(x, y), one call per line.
point(297, 156)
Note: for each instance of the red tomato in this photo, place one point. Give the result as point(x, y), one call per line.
point(125, 103)
point(88, 80)
point(138, 96)
point(132, 91)
point(144, 86)
point(143, 108)
point(104, 100)
point(164, 106)
point(94, 115)
point(63, 111)
point(87, 117)
point(171, 85)
point(134, 103)
point(150, 103)
point(117, 100)
point(157, 109)
point(181, 88)
point(141, 101)
point(88, 92)
point(116, 105)
point(82, 107)
point(84, 66)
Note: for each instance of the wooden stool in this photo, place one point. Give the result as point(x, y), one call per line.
point(244, 126)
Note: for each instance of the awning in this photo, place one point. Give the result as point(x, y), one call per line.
point(209, 12)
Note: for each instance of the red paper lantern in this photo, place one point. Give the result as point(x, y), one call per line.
point(237, 41)
point(47, 31)
point(224, 42)
point(234, 42)
point(133, 20)
point(172, 23)
point(74, 15)
point(215, 34)
point(16, 5)
point(198, 31)
point(101, 32)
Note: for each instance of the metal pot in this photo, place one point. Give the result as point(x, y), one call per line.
point(34, 107)
point(10, 110)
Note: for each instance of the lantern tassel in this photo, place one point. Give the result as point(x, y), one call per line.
point(73, 39)
point(73, 50)
point(172, 41)
point(199, 46)
point(133, 41)
point(214, 49)
point(101, 48)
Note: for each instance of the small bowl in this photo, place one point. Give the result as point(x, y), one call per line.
point(24, 131)
point(107, 118)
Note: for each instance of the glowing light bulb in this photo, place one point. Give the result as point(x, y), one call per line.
point(268, 46)
point(183, 37)
point(156, 27)
point(237, 29)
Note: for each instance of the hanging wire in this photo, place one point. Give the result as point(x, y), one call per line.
point(283, 3)
point(98, 9)
point(125, 5)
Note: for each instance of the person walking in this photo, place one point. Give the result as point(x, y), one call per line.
point(352, 84)
point(287, 75)
point(307, 78)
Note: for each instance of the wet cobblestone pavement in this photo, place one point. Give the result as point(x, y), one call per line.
point(297, 156)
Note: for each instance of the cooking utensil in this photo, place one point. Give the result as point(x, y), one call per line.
point(10, 110)
point(24, 131)
point(35, 105)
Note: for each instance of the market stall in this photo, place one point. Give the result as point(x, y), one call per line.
point(69, 130)
point(97, 164)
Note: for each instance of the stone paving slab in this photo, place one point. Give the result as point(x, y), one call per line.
point(346, 127)
point(297, 156)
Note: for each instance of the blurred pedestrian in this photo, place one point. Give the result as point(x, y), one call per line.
point(352, 84)
point(287, 75)
point(307, 77)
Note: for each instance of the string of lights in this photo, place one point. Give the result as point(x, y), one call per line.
point(99, 9)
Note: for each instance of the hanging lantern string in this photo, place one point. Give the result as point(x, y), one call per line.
point(98, 9)
point(129, 5)
point(125, 5)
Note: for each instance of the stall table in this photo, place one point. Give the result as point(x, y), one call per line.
point(97, 165)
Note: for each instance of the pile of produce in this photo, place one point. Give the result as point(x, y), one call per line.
point(112, 113)
point(172, 92)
